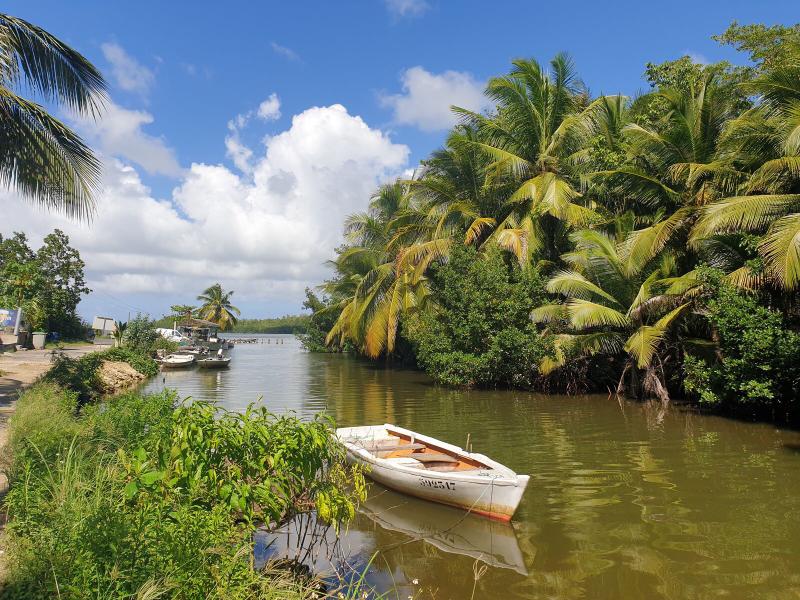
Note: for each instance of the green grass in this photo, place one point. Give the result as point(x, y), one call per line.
point(61, 344)
point(126, 499)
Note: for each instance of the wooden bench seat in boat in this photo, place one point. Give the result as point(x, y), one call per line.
point(392, 447)
point(434, 458)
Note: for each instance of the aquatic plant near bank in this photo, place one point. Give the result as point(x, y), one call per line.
point(755, 363)
point(136, 494)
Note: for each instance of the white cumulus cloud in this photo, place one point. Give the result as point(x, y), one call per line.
point(118, 132)
point(270, 109)
point(427, 97)
point(237, 151)
point(128, 73)
point(266, 235)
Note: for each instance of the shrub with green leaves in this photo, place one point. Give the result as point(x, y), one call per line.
point(140, 334)
point(80, 375)
point(479, 332)
point(136, 497)
point(755, 363)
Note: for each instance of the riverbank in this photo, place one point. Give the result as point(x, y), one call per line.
point(18, 370)
point(146, 495)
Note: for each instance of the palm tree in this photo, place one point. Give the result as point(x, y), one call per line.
point(217, 307)
point(542, 122)
point(768, 138)
point(678, 165)
point(184, 312)
point(40, 156)
point(119, 332)
point(381, 271)
point(458, 192)
point(612, 306)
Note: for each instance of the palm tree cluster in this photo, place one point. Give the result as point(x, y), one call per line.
point(616, 201)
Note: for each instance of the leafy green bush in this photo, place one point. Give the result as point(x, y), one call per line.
point(162, 343)
point(141, 498)
point(140, 334)
point(479, 332)
point(80, 375)
point(324, 313)
point(755, 364)
point(139, 361)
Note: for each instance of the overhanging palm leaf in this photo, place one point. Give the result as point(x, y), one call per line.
point(743, 213)
point(781, 249)
point(41, 157)
point(643, 344)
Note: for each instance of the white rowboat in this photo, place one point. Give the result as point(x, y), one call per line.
point(176, 361)
point(428, 468)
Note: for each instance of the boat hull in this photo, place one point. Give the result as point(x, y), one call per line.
point(177, 362)
point(490, 495)
point(213, 364)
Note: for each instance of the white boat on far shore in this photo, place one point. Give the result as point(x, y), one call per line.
point(177, 361)
point(428, 468)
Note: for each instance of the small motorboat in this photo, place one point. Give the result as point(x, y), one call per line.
point(214, 362)
point(430, 469)
point(177, 361)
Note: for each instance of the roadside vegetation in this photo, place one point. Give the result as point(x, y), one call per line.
point(624, 209)
point(47, 283)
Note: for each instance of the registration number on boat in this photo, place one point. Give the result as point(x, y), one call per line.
point(437, 483)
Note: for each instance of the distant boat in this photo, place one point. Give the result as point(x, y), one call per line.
point(428, 468)
point(214, 363)
point(177, 361)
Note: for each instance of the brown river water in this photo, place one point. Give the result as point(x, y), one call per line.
point(625, 500)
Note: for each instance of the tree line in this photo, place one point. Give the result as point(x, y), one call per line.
point(47, 283)
point(566, 241)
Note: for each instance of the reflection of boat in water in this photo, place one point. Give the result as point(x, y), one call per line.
point(431, 469)
point(448, 529)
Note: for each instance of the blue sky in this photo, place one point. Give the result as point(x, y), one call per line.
point(180, 74)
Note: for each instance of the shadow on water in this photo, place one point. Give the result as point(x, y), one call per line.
point(625, 501)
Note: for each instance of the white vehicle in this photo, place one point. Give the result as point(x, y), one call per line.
point(173, 335)
point(428, 468)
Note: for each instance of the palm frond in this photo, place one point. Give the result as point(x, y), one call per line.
point(33, 57)
point(742, 213)
point(643, 343)
point(584, 314)
point(781, 250)
point(44, 159)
